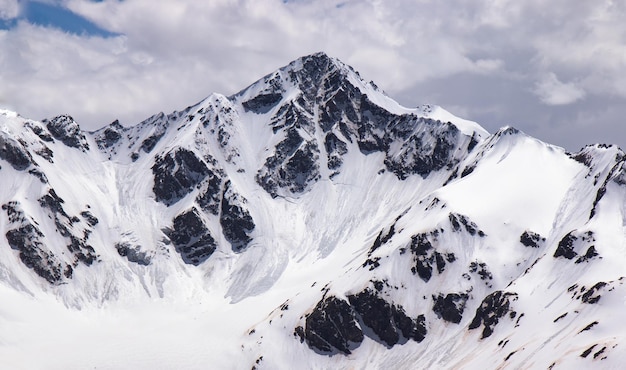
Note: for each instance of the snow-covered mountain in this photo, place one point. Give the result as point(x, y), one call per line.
point(308, 221)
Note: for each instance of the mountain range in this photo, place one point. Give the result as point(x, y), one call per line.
point(308, 221)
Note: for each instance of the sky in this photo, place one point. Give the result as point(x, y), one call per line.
point(554, 70)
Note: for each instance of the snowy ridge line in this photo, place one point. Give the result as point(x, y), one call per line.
point(308, 219)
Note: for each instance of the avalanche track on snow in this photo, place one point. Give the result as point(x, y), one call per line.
point(308, 221)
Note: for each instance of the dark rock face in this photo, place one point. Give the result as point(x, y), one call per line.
point(209, 198)
point(133, 253)
point(426, 258)
point(457, 221)
point(494, 307)
point(90, 218)
point(14, 153)
point(425, 151)
point(591, 296)
point(420, 247)
point(64, 224)
point(337, 326)
point(531, 239)
point(575, 240)
point(176, 175)
point(150, 142)
point(294, 165)
point(332, 327)
point(344, 114)
point(39, 131)
point(191, 238)
point(110, 136)
point(25, 237)
point(335, 149)
point(66, 130)
point(237, 224)
point(450, 307)
point(566, 248)
point(388, 322)
point(481, 269)
point(591, 252)
point(262, 103)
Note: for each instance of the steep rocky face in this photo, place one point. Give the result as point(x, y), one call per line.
point(332, 327)
point(191, 238)
point(236, 221)
point(331, 98)
point(66, 130)
point(419, 230)
point(176, 174)
point(26, 238)
point(493, 308)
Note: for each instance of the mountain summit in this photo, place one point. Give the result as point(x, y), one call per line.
point(308, 219)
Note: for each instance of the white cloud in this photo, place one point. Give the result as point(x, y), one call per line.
point(174, 54)
point(9, 9)
point(551, 91)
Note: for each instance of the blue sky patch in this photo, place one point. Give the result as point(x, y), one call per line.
point(56, 16)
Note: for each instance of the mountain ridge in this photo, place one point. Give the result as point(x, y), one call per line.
point(312, 211)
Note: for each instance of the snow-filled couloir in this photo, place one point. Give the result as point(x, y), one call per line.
point(308, 220)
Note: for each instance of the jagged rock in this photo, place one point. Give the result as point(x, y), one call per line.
point(150, 142)
point(110, 136)
point(91, 219)
point(14, 153)
point(66, 130)
point(565, 247)
point(590, 295)
point(262, 103)
point(457, 220)
point(389, 322)
point(481, 269)
point(133, 253)
point(39, 131)
point(450, 307)
point(191, 238)
point(531, 239)
point(210, 196)
point(591, 252)
point(293, 167)
point(237, 224)
point(425, 151)
point(335, 149)
point(332, 327)
point(425, 257)
point(82, 251)
point(26, 237)
point(494, 307)
point(176, 175)
point(53, 202)
point(574, 240)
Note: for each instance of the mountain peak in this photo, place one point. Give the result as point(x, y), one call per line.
point(312, 213)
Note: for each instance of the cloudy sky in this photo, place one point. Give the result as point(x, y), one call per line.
point(556, 70)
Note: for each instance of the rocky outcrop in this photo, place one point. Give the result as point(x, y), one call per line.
point(237, 224)
point(66, 130)
point(293, 166)
point(14, 153)
point(336, 326)
point(110, 136)
point(388, 322)
point(191, 238)
point(176, 174)
point(450, 307)
point(25, 237)
point(494, 307)
point(332, 327)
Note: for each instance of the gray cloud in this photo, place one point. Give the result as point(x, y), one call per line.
point(553, 71)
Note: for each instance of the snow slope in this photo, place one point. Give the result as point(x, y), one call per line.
point(307, 221)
